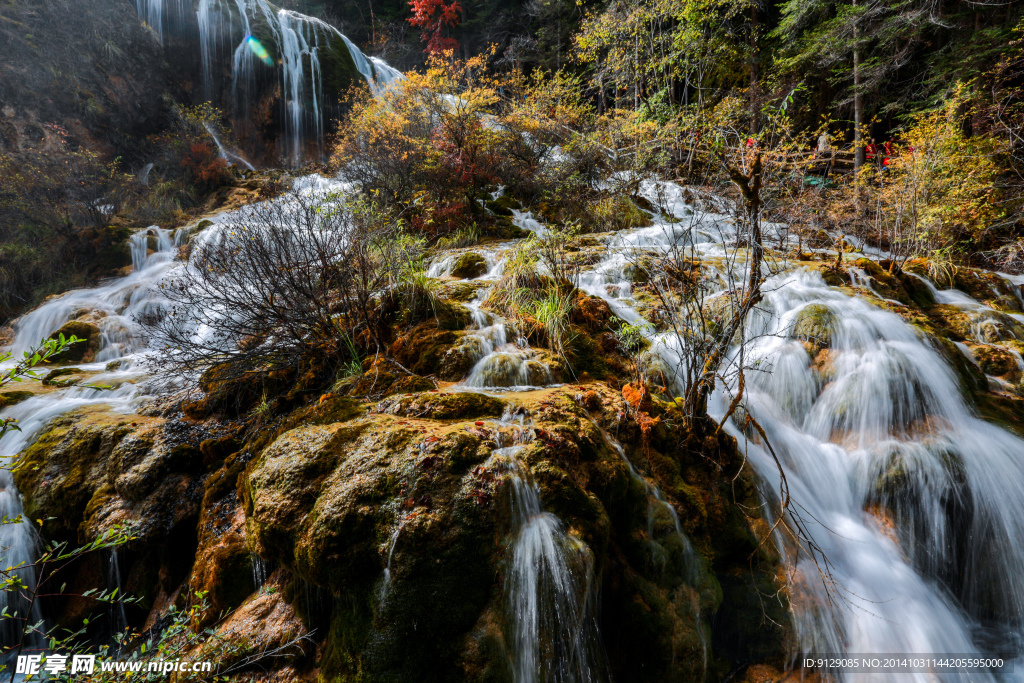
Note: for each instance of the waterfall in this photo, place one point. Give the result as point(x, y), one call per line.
point(549, 583)
point(118, 616)
point(226, 154)
point(163, 15)
point(259, 570)
point(913, 499)
point(262, 42)
point(113, 306)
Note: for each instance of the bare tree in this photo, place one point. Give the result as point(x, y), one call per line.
point(294, 281)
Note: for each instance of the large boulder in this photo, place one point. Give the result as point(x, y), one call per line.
point(814, 324)
point(469, 265)
point(82, 351)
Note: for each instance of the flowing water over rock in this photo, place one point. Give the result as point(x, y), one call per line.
point(114, 308)
point(549, 582)
point(914, 500)
point(878, 437)
point(309, 61)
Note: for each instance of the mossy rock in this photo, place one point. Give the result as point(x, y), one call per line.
point(469, 265)
point(114, 256)
point(882, 281)
point(503, 205)
point(718, 312)
point(59, 473)
point(281, 485)
point(617, 212)
point(451, 315)
point(504, 228)
point(998, 362)
point(232, 391)
point(499, 208)
point(918, 292)
point(814, 324)
point(460, 291)
point(411, 384)
point(638, 272)
point(52, 378)
point(1008, 303)
point(10, 398)
point(833, 277)
point(970, 377)
point(82, 351)
point(992, 327)
point(457, 362)
point(443, 405)
point(423, 348)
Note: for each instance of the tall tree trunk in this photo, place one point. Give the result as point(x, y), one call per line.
point(858, 101)
point(755, 68)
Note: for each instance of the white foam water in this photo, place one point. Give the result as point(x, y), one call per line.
point(914, 500)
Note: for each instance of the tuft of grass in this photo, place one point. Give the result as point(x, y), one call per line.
point(547, 313)
point(463, 237)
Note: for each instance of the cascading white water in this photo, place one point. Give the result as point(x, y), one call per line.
point(549, 582)
point(112, 308)
point(879, 429)
point(160, 15)
point(118, 616)
point(300, 44)
point(501, 363)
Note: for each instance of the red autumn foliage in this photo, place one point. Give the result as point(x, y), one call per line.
point(205, 169)
point(434, 17)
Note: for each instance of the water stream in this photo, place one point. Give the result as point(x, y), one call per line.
point(550, 592)
point(915, 501)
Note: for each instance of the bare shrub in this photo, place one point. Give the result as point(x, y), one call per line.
point(293, 284)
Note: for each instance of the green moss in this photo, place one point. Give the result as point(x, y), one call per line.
point(443, 405)
point(283, 483)
point(460, 292)
point(451, 315)
point(10, 398)
point(833, 277)
point(814, 324)
point(469, 265)
point(61, 471)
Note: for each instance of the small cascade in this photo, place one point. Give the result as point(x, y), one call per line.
point(913, 499)
point(656, 501)
point(113, 306)
point(307, 54)
point(693, 563)
point(526, 221)
point(549, 581)
point(18, 547)
point(501, 363)
point(259, 570)
point(386, 580)
point(117, 614)
point(232, 158)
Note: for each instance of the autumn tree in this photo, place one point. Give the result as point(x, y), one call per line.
point(435, 19)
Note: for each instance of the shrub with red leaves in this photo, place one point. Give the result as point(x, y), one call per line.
point(204, 167)
point(435, 17)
